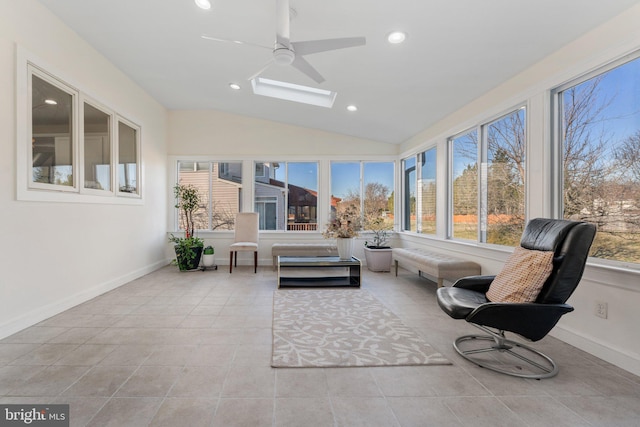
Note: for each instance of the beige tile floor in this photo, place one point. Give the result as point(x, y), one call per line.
point(193, 349)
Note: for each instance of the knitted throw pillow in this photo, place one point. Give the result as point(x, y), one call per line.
point(522, 276)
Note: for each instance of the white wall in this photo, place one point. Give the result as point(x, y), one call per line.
point(216, 133)
point(54, 255)
point(615, 339)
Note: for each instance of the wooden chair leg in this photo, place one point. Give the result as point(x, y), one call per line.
point(255, 262)
point(230, 261)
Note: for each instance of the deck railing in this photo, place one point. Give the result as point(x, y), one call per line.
point(302, 226)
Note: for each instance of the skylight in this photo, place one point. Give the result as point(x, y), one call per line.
point(293, 92)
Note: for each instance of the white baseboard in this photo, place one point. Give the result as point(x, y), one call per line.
point(39, 314)
point(616, 356)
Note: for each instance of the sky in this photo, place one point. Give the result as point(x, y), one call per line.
point(621, 86)
point(345, 176)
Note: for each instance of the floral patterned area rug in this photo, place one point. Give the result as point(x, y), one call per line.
point(342, 328)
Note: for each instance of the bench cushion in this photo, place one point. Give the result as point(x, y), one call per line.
point(435, 264)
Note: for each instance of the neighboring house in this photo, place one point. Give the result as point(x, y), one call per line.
point(226, 191)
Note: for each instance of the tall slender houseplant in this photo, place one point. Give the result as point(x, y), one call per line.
point(188, 248)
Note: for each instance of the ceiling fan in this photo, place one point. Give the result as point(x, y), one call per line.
point(286, 52)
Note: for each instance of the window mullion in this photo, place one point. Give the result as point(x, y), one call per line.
point(483, 161)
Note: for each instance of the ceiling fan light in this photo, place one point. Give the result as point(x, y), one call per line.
point(203, 4)
point(396, 37)
point(284, 56)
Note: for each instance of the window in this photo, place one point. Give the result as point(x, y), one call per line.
point(53, 140)
point(464, 186)
point(419, 202)
point(504, 215)
point(488, 181)
point(220, 185)
point(68, 144)
point(427, 199)
point(127, 158)
point(409, 192)
point(286, 195)
point(97, 149)
point(366, 187)
point(599, 157)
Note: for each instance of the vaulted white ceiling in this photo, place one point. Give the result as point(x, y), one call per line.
point(455, 51)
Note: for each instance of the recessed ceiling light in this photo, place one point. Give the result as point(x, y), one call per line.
point(234, 86)
point(396, 37)
point(203, 4)
point(51, 101)
point(352, 108)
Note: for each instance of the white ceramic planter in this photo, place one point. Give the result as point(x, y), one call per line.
point(345, 248)
point(378, 259)
point(209, 260)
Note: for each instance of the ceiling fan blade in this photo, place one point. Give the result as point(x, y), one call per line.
point(267, 65)
point(217, 39)
point(282, 23)
point(302, 65)
point(316, 46)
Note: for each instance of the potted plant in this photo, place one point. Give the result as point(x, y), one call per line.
point(344, 227)
point(208, 257)
point(188, 248)
point(378, 255)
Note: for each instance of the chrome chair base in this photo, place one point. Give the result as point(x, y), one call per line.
point(505, 356)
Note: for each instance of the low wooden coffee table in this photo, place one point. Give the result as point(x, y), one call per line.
point(318, 271)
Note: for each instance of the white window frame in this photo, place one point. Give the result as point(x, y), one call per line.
point(482, 162)
point(27, 65)
point(556, 190)
point(113, 150)
point(119, 119)
point(75, 130)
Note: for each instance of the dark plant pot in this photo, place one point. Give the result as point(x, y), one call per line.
point(378, 258)
point(186, 263)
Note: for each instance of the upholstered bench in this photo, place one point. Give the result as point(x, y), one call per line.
point(434, 264)
point(302, 249)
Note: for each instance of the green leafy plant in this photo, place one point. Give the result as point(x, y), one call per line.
point(380, 229)
point(187, 251)
point(189, 248)
point(209, 250)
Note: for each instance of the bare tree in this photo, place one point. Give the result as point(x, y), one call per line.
point(584, 144)
point(627, 156)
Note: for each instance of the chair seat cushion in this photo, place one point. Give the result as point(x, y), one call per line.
point(244, 246)
point(522, 276)
point(458, 302)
